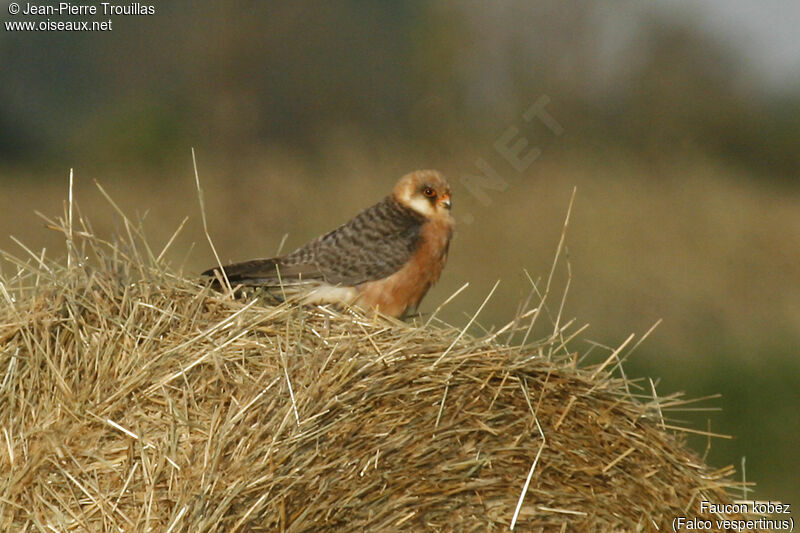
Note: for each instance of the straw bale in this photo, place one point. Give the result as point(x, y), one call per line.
point(135, 399)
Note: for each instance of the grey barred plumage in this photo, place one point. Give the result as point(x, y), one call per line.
point(372, 245)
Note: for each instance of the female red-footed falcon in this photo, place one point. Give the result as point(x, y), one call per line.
point(386, 257)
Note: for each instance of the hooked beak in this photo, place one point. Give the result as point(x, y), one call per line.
point(445, 201)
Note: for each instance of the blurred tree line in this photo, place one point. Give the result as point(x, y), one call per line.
point(232, 77)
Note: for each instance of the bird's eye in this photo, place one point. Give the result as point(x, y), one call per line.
point(428, 192)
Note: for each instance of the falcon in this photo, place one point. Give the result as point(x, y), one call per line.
point(385, 258)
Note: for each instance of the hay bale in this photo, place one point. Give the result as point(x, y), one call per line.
point(135, 399)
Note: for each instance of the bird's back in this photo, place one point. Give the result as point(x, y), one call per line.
point(372, 245)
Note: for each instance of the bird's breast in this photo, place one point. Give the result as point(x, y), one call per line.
point(404, 289)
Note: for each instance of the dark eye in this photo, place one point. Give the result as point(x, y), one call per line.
point(428, 192)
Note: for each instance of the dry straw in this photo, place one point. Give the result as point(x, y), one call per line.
point(134, 399)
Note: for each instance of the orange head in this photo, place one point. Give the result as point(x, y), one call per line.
point(426, 192)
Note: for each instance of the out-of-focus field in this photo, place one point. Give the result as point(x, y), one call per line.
point(711, 251)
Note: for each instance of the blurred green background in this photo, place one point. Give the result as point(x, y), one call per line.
point(678, 123)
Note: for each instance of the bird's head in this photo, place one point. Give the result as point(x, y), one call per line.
point(426, 192)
